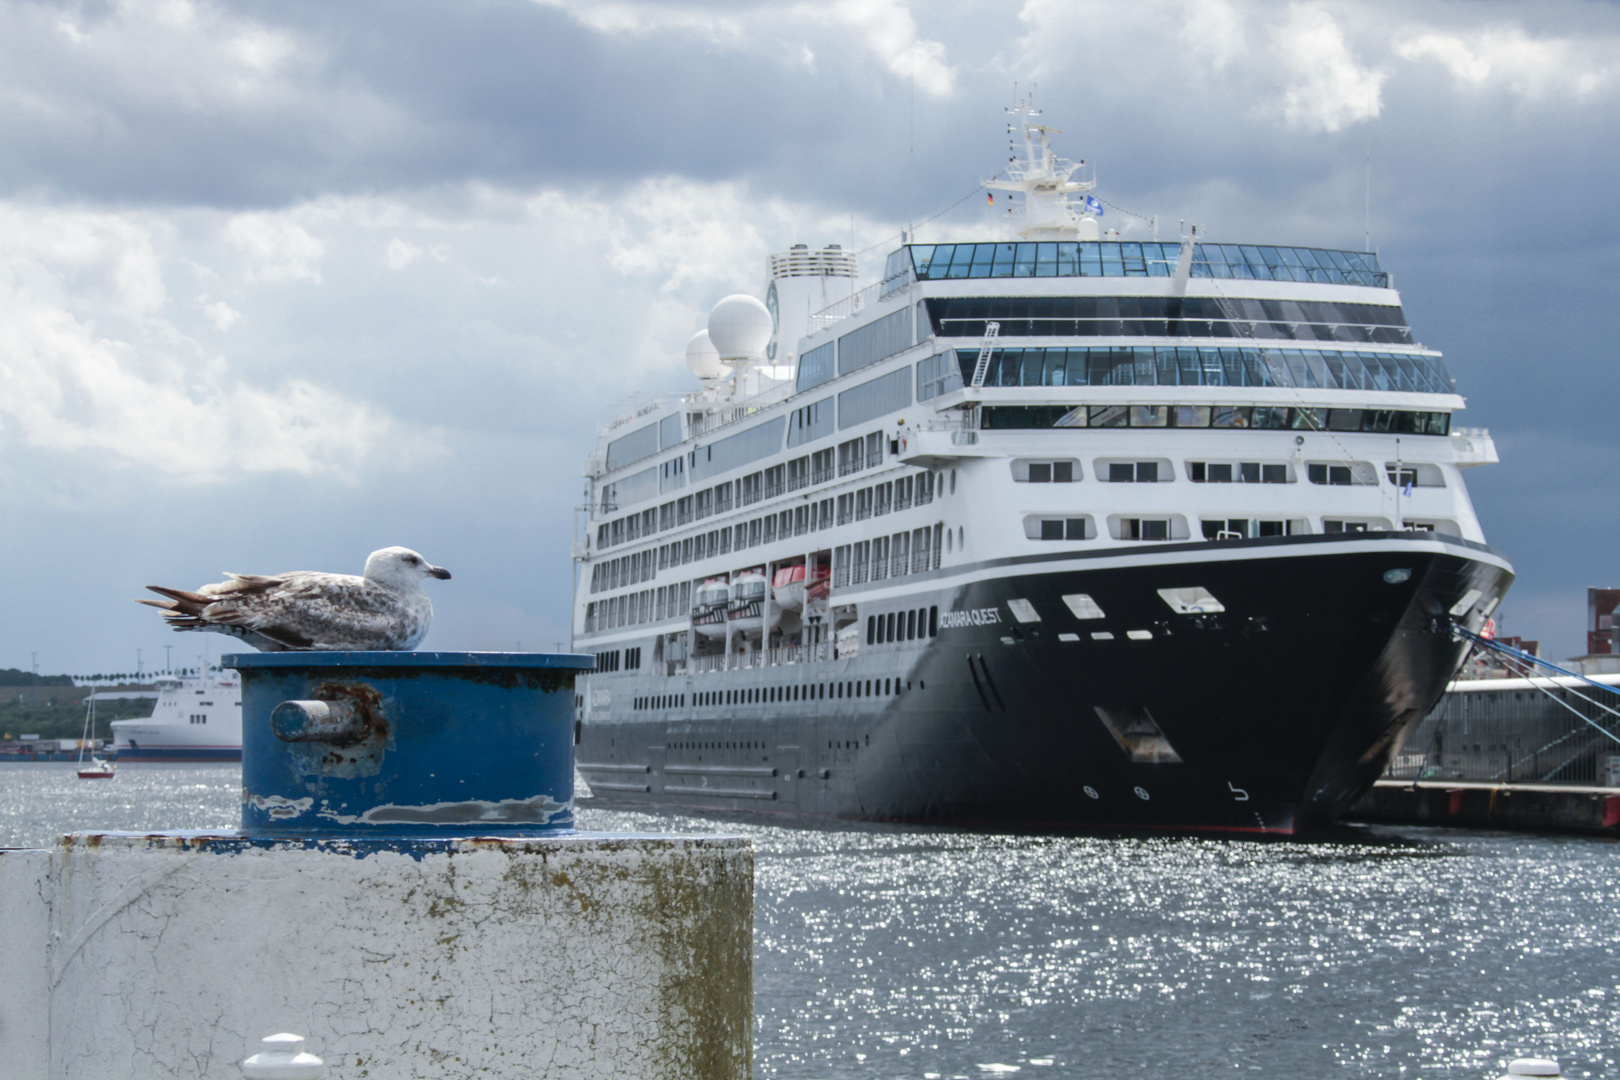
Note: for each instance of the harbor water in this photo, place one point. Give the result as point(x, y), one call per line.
point(893, 952)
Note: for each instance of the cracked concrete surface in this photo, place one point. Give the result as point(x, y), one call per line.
point(170, 956)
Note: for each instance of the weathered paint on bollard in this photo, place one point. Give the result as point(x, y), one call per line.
point(407, 744)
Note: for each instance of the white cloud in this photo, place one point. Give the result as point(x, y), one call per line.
point(887, 30)
point(884, 29)
point(1532, 68)
point(278, 247)
point(1291, 64)
point(1328, 89)
point(198, 56)
point(90, 363)
point(1214, 30)
point(401, 253)
point(221, 314)
point(642, 17)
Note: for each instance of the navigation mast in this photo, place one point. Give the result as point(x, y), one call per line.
point(1050, 210)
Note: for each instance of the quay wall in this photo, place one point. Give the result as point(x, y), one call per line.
point(1533, 807)
point(170, 955)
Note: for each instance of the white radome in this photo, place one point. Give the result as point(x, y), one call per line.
point(702, 357)
point(740, 327)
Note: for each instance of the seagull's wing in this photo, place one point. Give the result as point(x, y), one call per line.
point(307, 610)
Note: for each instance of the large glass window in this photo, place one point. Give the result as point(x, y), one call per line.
point(632, 489)
point(874, 398)
point(874, 341)
point(1111, 365)
point(1256, 417)
point(738, 450)
point(643, 442)
point(938, 375)
point(1112, 258)
point(1157, 316)
point(810, 422)
point(816, 367)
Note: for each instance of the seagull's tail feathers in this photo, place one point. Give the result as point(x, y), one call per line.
point(174, 616)
point(181, 601)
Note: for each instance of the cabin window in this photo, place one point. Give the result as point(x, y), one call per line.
point(1355, 472)
point(1126, 472)
point(1244, 528)
point(1054, 528)
point(1144, 529)
point(1242, 472)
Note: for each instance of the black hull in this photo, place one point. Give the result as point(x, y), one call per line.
point(1282, 709)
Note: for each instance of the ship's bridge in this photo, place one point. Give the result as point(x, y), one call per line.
point(1120, 258)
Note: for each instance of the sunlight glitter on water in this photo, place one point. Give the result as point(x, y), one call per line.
point(903, 952)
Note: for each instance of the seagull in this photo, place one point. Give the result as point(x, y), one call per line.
point(383, 610)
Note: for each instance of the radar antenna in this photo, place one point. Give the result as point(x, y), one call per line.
point(1047, 183)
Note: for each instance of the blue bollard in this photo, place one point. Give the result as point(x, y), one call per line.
point(407, 744)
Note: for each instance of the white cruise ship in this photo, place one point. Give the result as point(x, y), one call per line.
point(1064, 531)
point(195, 719)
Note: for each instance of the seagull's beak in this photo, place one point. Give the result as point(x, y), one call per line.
point(439, 572)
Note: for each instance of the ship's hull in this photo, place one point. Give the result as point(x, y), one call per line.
point(143, 753)
point(146, 741)
point(1277, 712)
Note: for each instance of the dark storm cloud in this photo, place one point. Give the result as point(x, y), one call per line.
point(111, 104)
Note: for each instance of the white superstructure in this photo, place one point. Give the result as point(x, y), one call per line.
point(1006, 460)
point(912, 435)
point(196, 718)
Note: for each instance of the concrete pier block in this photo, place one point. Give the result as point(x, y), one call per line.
point(169, 955)
point(1534, 807)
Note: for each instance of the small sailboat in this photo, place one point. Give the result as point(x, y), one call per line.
point(98, 768)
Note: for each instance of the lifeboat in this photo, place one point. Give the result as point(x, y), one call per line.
point(709, 608)
point(746, 612)
point(788, 587)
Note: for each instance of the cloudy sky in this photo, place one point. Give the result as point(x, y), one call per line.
point(281, 284)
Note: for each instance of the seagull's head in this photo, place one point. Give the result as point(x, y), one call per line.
point(401, 568)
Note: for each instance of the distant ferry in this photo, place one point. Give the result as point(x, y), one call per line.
point(195, 719)
point(1060, 531)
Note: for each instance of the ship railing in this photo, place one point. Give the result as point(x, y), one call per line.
point(740, 410)
point(746, 609)
point(852, 304)
point(780, 656)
